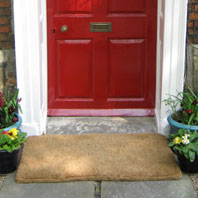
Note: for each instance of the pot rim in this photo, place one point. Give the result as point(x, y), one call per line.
point(180, 125)
point(4, 151)
point(15, 125)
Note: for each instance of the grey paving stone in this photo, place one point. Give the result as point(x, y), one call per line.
point(46, 190)
point(149, 189)
point(78, 125)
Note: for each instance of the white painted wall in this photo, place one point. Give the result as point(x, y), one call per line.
point(31, 59)
point(31, 63)
point(172, 18)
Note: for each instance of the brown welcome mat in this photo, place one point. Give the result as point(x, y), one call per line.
point(60, 158)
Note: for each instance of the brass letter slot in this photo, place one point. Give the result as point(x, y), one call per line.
point(100, 27)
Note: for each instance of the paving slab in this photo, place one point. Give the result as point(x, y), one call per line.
point(78, 125)
point(46, 190)
point(149, 189)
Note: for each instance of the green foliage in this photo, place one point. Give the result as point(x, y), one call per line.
point(8, 107)
point(184, 107)
point(11, 140)
point(185, 142)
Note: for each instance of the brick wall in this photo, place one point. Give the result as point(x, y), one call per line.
point(192, 46)
point(7, 54)
point(6, 29)
point(192, 33)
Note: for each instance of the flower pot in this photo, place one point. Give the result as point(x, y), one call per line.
point(9, 161)
point(175, 126)
point(15, 125)
point(187, 166)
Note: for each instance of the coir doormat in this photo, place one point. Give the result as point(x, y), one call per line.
point(114, 157)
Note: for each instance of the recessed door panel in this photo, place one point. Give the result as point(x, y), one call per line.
point(126, 68)
point(74, 6)
point(74, 69)
point(126, 6)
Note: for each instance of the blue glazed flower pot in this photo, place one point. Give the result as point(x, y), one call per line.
point(16, 125)
point(175, 126)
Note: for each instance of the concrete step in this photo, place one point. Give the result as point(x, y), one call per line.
point(78, 125)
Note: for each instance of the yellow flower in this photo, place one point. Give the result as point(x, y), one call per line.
point(13, 132)
point(11, 137)
point(177, 140)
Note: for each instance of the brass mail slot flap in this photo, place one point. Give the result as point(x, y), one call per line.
point(100, 27)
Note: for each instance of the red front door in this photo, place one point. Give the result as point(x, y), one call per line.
point(101, 57)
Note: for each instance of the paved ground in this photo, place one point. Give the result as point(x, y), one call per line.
point(150, 189)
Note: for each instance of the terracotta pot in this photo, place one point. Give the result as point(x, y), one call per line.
point(187, 166)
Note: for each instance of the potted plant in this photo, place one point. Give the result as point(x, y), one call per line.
point(10, 137)
point(9, 106)
point(10, 147)
point(184, 108)
point(185, 144)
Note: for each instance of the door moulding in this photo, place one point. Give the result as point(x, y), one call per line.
point(31, 59)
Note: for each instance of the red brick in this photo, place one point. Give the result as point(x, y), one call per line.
point(6, 37)
point(5, 3)
point(196, 24)
point(190, 31)
point(3, 37)
point(193, 1)
point(189, 40)
point(5, 29)
point(11, 81)
point(195, 41)
point(193, 16)
point(5, 12)
point(196, 7)
point(4, 20)
point(190, 24)
point(6, 45)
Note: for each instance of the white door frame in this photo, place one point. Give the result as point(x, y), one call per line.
point(31, 59)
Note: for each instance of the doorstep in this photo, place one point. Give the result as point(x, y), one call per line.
point(146, 189)
point(78, 125)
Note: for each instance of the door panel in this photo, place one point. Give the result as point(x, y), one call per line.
point(74, 69)
point(101, 70)
point(119, 6)
point(74, 6)
point(126, 70)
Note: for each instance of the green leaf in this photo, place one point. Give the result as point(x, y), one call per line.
point(6, 147)
point(171, 144)
point(191, 91)
point(19, 107)
point(8, 139)
point(191, 155)
point(193, 136)
point(191, 118)
point(186, 155)
point(192, 147)
point(16, 95)
point(8, 96)
point(180, 132)
point(185, 149)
